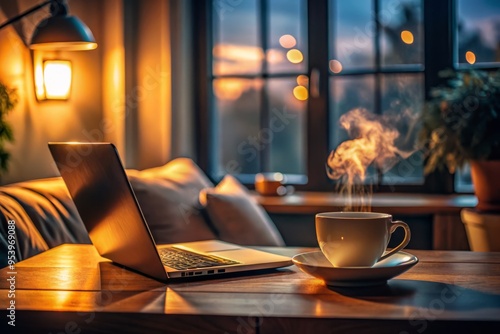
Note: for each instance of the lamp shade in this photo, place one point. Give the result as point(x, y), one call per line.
point(62, 32)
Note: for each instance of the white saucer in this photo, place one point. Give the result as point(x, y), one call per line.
point(316, 264)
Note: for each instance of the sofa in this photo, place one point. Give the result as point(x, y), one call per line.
point(178, 201)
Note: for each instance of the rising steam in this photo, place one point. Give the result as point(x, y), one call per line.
point(375, 142)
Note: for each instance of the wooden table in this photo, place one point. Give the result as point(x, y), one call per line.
point(70, 289)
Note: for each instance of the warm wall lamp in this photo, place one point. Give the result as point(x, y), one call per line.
point(53, 80)
point(60, 31)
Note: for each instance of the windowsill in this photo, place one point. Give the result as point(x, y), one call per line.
point(393, 203)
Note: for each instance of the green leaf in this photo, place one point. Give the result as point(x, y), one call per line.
point(8, 100)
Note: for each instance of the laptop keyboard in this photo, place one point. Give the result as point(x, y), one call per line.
point(181, 259)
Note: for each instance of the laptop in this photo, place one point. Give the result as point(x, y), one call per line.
point(105, 200)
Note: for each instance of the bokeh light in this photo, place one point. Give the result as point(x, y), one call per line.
point(335, 66)
point(294, 56)
point(287, 41)
point(303, 80)
point(407, 37)
point(274, 56)
point(470, 57)
point(300, 93)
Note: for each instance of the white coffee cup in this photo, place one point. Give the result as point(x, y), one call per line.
point(357, 239)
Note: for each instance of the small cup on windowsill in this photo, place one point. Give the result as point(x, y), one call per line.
point(270, 184)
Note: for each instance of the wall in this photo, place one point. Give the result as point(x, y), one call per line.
point(147, 83)
point(121, 91)
point(35, 123)
point(112, 125)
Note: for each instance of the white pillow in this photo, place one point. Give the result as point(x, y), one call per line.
point(168, 196)
point(237, 217)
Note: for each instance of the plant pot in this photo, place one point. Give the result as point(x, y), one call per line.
point(486, 179)
point(483, 230)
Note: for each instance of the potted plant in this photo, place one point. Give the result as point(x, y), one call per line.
point(460, 124)
point(8, 100)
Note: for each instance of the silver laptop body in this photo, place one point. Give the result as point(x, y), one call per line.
point(105, 200)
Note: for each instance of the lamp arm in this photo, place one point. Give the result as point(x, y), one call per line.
point(29, 11)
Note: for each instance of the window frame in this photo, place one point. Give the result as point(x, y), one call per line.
point(439, 42)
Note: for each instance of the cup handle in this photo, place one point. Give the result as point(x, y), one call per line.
point(406, 240)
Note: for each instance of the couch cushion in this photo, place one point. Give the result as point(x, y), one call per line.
point(168, 196)
point(28, 241)
point(237, 217)
point(44, 215)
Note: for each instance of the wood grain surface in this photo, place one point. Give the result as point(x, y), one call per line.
point(393, 203)
point(71, 288)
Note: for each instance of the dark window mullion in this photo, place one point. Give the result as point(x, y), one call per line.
point(263, 22)
point(202, 19)
point(438, 36)
point(259, 76)
point(378, 74)
point(317, 107)
point(378, 60)
point(353, 72)
point(332, 82)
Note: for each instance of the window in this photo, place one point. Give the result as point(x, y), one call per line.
point(281, 74)
point(259, 89)
point(378, 67)
point(478, 33)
